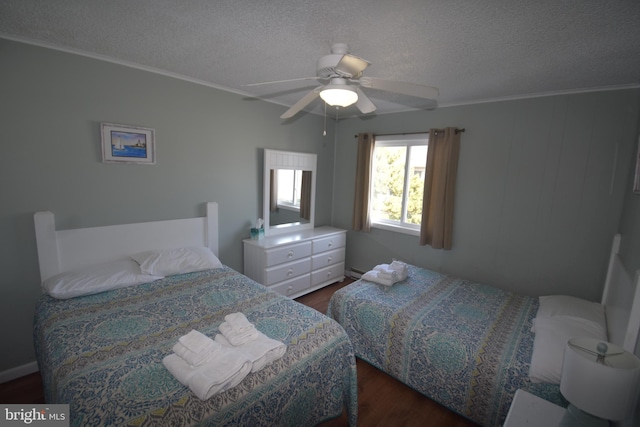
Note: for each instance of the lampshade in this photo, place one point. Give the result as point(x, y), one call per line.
point(605, 387)
point(338, 93)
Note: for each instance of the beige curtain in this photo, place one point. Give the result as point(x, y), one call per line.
point(361, 220)
point(305, 196)
point(273, 191)
point(439, 188)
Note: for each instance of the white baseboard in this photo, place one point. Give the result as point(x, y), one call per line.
point(18, 371)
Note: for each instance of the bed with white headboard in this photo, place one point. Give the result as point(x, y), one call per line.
point(65, 250)
point(470, 346)
point(102, 352)
point(621, 298)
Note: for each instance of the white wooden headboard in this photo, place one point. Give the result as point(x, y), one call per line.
point(621, 298)
point(65, 250)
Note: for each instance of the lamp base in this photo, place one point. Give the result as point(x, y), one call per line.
point(575, 417)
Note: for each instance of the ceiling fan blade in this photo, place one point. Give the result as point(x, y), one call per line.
point(351, 66)
point(411, 89)
point(281, 81)
point(303, 102)
point(364, 104)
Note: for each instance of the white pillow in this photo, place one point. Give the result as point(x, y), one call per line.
point(168, 262)
point(552, 334)
point(95, 279)
point(564, 305)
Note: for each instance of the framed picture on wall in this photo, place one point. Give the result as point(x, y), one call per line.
point(636, 178)
point(128, 144)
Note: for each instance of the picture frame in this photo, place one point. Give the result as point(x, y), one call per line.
point(636, 178)
point(128, 144)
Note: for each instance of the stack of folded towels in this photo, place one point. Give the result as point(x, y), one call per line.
point(387, 274)
point(239, 334)
point(210, 366)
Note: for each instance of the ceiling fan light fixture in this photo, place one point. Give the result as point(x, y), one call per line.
point(346, 80)
point(339, 96)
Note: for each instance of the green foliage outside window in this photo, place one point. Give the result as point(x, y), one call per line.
point(388, 186)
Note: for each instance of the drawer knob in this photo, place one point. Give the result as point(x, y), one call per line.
point(290, 254)
point(290, 272)
point(329, 260)
point(289, 289)
point(328, 274)
point(330, 244)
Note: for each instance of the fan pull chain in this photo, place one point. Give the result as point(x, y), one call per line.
point(324, 131)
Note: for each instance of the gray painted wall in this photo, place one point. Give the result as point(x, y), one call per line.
point(209, 148)
point(540, 191)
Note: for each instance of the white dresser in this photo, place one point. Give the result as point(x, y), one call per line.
point(297, 263)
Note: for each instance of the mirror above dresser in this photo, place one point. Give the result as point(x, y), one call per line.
point(289, 191)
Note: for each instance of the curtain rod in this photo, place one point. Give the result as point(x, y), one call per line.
point(412, 133)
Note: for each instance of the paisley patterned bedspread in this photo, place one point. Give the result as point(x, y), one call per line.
point(465, 345)
point(102, 354)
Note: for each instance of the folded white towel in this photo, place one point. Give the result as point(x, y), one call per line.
point(197, 342)
point(196, 358)
point(400, 267)
point(223, 373)
point(178, 368)
point(387, 273)
point(208, 380)
point(260, 351)
point(237, 329)
point(238, 322)
point(396, 266)
point(237, 338)
point(373, 276)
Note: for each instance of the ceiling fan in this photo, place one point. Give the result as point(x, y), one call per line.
point(343, 72)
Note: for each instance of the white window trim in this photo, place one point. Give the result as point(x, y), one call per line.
point(404, 229)
point(391, 141)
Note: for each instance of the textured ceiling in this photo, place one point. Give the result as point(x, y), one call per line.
point(471, 50)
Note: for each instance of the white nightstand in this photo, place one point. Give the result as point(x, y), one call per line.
point(529, 410)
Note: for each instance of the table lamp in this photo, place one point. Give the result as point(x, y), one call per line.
point(600, 380)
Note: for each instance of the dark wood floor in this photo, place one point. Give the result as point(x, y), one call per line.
point(382, 400)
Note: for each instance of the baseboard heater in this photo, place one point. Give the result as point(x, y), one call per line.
point(356, 273)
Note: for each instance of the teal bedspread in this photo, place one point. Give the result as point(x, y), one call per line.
point(465, 345)
point(102, 354)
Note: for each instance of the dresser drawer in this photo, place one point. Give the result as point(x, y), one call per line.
point(326, 259)
point(293, 286)
point(287, 253)
point(328, 243)
point(332, 273)
point(287, 271)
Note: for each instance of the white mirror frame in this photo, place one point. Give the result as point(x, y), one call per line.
point(275, 159)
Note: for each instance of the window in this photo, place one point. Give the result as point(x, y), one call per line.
point(289, 188)
point(397, 182)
